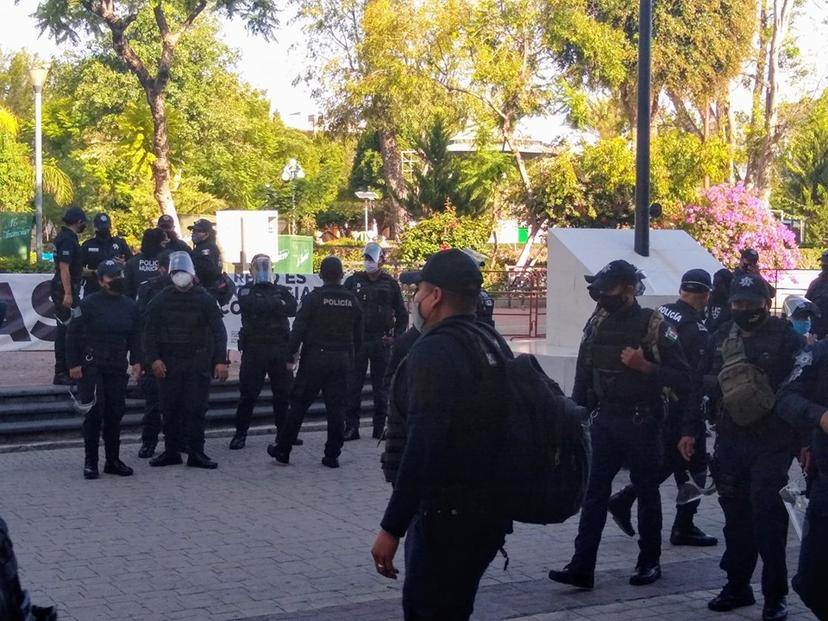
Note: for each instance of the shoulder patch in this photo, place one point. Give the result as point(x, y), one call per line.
point(205, 251)
point(671, 335)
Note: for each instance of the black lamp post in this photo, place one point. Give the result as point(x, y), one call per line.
point(642, 147)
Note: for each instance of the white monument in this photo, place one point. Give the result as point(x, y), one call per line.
point(576, 252)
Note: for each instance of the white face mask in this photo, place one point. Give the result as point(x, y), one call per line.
point(416, 317)
point(372, 267)
point(182, 280)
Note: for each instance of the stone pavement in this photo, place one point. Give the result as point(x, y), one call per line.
point(257, 541)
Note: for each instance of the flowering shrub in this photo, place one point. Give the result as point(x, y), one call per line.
point(729, 219)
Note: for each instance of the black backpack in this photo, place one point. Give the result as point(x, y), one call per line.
point(543, 464)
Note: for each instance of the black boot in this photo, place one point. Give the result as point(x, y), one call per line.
point(167, 458)
point(731, 598)
point(117, 467)
point(351, 433)
point(645, 574)
point(620, 508)
point(197, 459)
point(90, 469)
point(238, 441)
point(691, 536)
point(330, 462)
point(572, 577)
point(147, 450)
point(775, 610)
point(378, 432)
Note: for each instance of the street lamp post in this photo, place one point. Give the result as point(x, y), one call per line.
point(38, 77)
point(642, 147)
point(367, 197)
point(291, 172)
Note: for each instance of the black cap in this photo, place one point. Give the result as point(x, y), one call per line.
point(201, 225)
point(166, 222)
point(109, 268)
point(749, 254)
point(723, 276)
point(618, 272)
point(74, 215)
point(330, 268)
point(750, 287)
point(102, 221)
point(452, 270)
point(696, 281)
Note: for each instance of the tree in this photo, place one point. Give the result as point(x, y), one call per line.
point(151, 60)
point(443, 230)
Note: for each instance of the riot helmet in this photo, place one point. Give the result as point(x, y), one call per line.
point(182, 271)
point(261, 269)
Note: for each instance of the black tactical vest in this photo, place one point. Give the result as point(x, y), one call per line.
point(183, 323)
point(376, 298)
point(333, 323)
point(264, 326)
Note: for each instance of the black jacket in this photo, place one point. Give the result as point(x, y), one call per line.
point(382, 304)
point(68, 250)
point(265, 309)
point(99, 249)
point(395, 429)
point(329, 318)
point(138, 271)
point(207, 263)
point(103, 329)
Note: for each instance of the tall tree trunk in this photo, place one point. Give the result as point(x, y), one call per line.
point(757, 108)
point(534, 219)
point(392, 172)
point(706, 135)
point(161, 149)
point(730, 137)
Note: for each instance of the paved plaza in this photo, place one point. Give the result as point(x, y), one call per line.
point(257, 541)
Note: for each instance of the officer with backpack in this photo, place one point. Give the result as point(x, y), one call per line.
point(628, 356)
point(753, 355)
point(442, 500)
point(685, 434)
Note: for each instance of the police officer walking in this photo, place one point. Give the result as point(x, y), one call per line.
point(206, 254)
point(65, 286)
point(803, 401)
point(718, 308)
point(103, 330)
point(384, 316)
point(263, 341)
point(685, 433)
point(173, 242)
point(144, 265)
point(151, 421)
point(754, 353)
point(818, 294)
point(186, 341)
point(102, 247)
point(627, 357)
point(328, 327)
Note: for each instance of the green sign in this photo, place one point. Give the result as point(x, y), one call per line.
point(15, 235)
point(295, 255)
point(523, 235)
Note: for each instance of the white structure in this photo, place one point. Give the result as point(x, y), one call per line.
point(244, 234)
point(576, 252)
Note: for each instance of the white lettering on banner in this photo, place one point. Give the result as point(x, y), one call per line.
point(30, 319)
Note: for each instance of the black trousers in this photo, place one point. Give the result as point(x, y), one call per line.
point(749, 472)
point(257, 362)
point(445, 558)
point(185, 393)
point(620, 440)
point(109, 387)
point(318, 370)
point(811, 579)
point(62, 317)
point(377, 353)
point(151, 421)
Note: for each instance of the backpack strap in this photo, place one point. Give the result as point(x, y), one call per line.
point(733, 347)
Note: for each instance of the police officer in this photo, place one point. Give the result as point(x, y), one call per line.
point(442, 500)
point(151, 421)
point(718, 308)
point(173, 242)
point(485, 302)
point(265, 308)
point(384, 316)
point(206, 254)
point(186, 341)
point(103, 330)
point(102, 247)
point(627, 357)
point(144, 265)
point(328, 327)
point(15, 603)
point(803, 401)
point(685, 434)
point(65, 287)
point(818, 294)
point(753, 355)
point(802, 314)
point(749, 261)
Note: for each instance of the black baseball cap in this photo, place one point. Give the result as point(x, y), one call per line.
point(109, 268)
point(201, 225)
point(330, 268)
point(102, 221)
point(696, 281)
point(614, 273)
point(74, 215)
point(750, 287)
point(452, 270)
point(749, 254)
point(166, 222)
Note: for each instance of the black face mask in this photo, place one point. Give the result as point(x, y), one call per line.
point(750, 319)
point(104, 234)
point(116, 286)
point(611, 303)
point(81, 227)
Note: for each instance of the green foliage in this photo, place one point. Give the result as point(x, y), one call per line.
point(15, 265)
point(445, 229)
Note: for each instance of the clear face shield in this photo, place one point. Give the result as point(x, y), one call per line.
point(181, 261)
point(261, 270)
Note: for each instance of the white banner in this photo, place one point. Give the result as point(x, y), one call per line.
point(30, 320)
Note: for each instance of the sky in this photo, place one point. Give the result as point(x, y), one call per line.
point(272, 66)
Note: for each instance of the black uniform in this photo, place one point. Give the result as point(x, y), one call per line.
point(328, 327)
point(184, 329)
point(101, 333)
point(818, 294)
point(97, 250)
point(717, 312)
point(265, 308)
point(384, 314)
point(803, 401)
point(207, 263)
point(442, 494)
point(485, 308)
point(15, 603)
point(751, 466)
point(627, 427)
point(138, 271)
point(68, 251)
point(175, 244)
point(151, 421)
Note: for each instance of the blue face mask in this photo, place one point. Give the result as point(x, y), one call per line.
point(801, 326)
